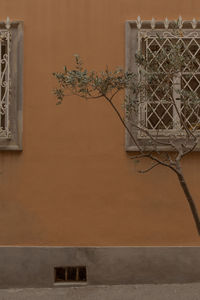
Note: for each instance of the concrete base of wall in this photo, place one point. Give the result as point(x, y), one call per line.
point(34, 266)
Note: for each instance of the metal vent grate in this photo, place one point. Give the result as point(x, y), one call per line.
point(70, 274)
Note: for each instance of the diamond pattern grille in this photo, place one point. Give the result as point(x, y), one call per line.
point(158, 112)
point(160, 115)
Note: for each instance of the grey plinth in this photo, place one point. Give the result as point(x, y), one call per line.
point(34, 266)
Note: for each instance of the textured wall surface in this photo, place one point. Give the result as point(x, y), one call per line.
point(34, 266)
point(74, 184)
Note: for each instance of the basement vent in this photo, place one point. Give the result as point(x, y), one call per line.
point(70, 274)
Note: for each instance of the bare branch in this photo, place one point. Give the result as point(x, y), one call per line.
point(124, 124)
point(164, 163)
point(143, 155)
point(114, 95)
point(150, 168)
point(171, 162)
point(190, 150)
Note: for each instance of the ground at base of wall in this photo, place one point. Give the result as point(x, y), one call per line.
point(113, 292)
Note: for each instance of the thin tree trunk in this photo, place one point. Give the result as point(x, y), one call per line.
point(177, 170)
point(190, 201)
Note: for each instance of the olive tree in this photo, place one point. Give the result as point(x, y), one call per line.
point(163, 75)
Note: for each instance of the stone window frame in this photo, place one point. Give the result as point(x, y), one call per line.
point(131, 46)
point(14, 141)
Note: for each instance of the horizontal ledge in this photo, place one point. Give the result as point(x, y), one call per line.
point(147, 24)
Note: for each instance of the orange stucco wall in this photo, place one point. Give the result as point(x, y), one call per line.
point(73, 184)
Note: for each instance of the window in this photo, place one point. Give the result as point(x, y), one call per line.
point(11, 47)
point(156, 112)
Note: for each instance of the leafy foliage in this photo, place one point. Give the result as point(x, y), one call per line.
point(90, 84)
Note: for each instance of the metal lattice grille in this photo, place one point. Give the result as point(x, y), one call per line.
point(157, 112)
point(4, 83)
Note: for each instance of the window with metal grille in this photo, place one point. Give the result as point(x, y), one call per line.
point(156, 111)
point(11, 66)
point(4, 83)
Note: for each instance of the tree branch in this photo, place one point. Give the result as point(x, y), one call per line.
point(149, 169)
point(124, 124)
point(164, 163)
